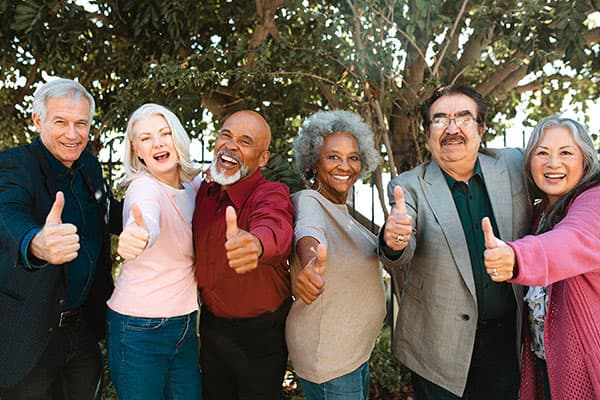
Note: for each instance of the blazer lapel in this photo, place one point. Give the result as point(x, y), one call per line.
point(436, 190)
point(497, 183)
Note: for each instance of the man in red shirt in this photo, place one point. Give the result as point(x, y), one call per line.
point(242, 237)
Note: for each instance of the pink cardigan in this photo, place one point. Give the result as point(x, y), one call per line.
point(568, 259)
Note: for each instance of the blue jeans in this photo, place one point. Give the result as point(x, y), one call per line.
point(154, 358)
point(352, 386)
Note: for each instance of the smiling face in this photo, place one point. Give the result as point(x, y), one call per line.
point(455, 148)
point(154, 145)
point(338, 167)
point(240, 148)
point(65, 130)
point(556, 163)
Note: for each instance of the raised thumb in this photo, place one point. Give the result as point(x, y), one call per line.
point(400, 204)
point(55, 215)
point(488, 233)
point(231, 223)
point(321, 265)
point(138, 218)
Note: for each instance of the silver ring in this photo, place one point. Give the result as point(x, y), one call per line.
point(494, 272)
point(400, 239)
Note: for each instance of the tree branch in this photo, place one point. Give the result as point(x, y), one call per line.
point(440, 59)
point(265, 10)
point(501, 74)
point(592, 36)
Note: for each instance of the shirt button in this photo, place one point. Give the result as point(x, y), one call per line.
point(465, 317)
point(61, 302)
point(50, 330)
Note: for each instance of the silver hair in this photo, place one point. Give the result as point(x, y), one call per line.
point(581, 138)
point(134, 166)
point(60, 88)
point(307, 144)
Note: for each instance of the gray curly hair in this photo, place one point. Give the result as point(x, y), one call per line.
point(307, 144)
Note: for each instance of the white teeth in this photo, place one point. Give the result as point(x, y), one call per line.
point(71, 145)
point(160, 155)
point(229, 159)
point(554, 176)
point(344, 178)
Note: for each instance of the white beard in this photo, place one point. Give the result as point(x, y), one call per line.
point(225, 180)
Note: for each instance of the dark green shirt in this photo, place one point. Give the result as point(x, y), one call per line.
point(494, 300)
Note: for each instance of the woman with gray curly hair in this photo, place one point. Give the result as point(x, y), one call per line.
point(336, 276)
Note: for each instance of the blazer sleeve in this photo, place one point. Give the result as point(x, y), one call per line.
point(18, 216)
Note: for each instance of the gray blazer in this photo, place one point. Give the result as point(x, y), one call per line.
point(437, 317)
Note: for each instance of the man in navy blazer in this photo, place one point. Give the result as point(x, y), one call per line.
point(56, 216)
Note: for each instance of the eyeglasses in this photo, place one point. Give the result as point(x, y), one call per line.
point(443, 122)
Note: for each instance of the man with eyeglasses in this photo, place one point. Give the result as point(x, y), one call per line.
point(456, 330)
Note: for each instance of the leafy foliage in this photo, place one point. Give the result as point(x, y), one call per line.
point(289, 59)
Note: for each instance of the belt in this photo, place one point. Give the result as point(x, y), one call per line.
point(69, 317)
point(265, 320)
point(496, 323)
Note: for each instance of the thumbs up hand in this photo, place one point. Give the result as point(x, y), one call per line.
point(499, 258)
point(309, 284)
point(134, 237)
point(398, 226)
point(56, 243)
point(243, 248)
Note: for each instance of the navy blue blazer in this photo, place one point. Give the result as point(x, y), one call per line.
point(30, 299)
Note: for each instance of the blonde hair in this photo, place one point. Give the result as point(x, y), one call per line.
point(135, 167)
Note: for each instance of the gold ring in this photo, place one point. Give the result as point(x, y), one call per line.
point(494, 272)
point(400, 239)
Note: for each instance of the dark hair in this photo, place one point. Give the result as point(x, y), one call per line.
point(448, 90)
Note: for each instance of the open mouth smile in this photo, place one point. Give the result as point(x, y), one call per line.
point(161, 155)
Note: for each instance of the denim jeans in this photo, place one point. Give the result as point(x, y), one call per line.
point(154, 358)
point(352, 386)
point(70, 368)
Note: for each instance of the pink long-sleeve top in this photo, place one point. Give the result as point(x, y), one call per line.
point(568, 259)
point(160, 282)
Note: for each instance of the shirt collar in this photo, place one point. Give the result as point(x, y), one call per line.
point(59, 170)
point(451, 181)
point(239, 191)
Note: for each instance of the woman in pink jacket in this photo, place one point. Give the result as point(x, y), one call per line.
point(560, 264)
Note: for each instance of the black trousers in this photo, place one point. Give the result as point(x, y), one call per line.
point(70, 368)
point(245, 358)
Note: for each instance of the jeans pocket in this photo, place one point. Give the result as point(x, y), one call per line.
point(144, 324)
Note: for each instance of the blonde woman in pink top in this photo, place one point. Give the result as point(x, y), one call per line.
point(152, 345)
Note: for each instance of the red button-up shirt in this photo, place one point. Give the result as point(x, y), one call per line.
point(264, 209)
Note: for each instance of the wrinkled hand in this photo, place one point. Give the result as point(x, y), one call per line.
point(243, 248)
point(56, 243)
point(398, 226)
point(309, 283)
point(499, 258)
point(134, 238)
